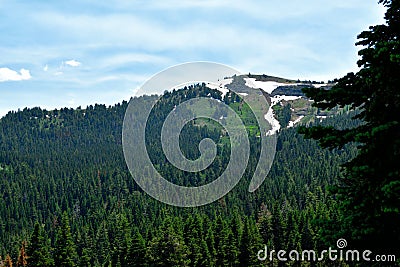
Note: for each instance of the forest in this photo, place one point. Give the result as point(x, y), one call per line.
point(69, 200)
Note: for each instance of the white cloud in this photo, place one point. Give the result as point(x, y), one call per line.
point(295, 41)
point(46, 67)
point(263, 10)
point(122, 59)
point(73, 63)
point(7, 74)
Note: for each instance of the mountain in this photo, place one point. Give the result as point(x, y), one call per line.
point(288, 103)
point(64, 170)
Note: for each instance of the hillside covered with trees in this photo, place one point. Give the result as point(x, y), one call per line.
point(69, 200)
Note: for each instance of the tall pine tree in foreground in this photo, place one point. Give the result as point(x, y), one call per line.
point(65, 249)
point(137, 251)
point(168, 247)
point(38, 249)
point(369, 191)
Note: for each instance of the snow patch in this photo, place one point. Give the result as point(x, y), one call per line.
point(220, 85)
point(268, 86)
point(292, 123)
point(274, 122)
point(321, 118)
point(270, 116)
point(319, 85)
point(278, 98)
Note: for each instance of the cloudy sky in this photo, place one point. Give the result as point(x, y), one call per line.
point(75, 53)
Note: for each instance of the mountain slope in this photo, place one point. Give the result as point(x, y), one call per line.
point(71, 161)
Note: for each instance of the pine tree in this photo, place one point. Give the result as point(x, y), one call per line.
point(121, 239)
point(279, 228)
point(237, 227)
point(369, 190)
point(293, 236)
point(210, 242)
point(168, 247)
point(221, 241)
point(102, 244)
point(38, 249)
point(65, 249)
point(206, 259)
point(137, 251)
point(193, 238)
point(250, 245)
point(84, 246)
point(85, 259)
point(232, 249)
point(265, 224)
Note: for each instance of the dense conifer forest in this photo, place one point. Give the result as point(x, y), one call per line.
point(69, 200)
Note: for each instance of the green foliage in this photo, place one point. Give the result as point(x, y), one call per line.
point(250, 243)
point(168, 247)
point(137, 250)
point(283, 114)
point(121, 239)
point(39, 249)
point(368, 190)
point(65, 250)
point(69, 164)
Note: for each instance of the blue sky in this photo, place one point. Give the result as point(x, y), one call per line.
point(57, 54)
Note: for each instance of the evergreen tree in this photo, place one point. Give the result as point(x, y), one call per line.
point(206, 259)
point(279, 228)
point(221, 241)
point(168, 247)
point(250, 245)
point(120, 239)
point(65, 249)
point(210, 242)
point(193, 238)
point(232, 249)
point(369, 190)
point(237, 228)
point(293, 236)
point(84, 245)
point(265, 224)
point(137, 251)
point(102, 244)
point(85, 258)
point(38, 249)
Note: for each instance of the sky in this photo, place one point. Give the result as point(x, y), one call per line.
point(56, 54)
